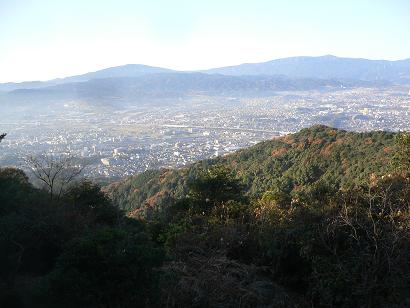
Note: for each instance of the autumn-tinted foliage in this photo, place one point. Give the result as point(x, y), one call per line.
point(319, 155)
point(347, 248)
point(320, 218)
point(316, 219)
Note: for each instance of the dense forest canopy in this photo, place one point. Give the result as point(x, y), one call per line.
point(320, 218)
point(319, 155)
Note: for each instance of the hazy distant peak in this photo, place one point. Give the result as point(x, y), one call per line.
point(128, 70)
point(328, 67)
point(324, 67)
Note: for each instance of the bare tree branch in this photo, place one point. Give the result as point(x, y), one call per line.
point(55, 172)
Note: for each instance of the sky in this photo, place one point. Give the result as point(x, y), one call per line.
point(46, 39)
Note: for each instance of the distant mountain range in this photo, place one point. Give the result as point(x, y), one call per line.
point(136, 82)
point(123, 90)
point(325, 67)
point(129, 70)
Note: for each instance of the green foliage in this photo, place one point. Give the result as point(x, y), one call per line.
point(114, 266)
point(214, 196)
point(88, 201)
point(345, 251)
point(401, 157)
point(75, 252)
point(331, 230)
point(14, 189)
point(277, 198)
point(213, 187)
point(316, 219)
point(320, 154)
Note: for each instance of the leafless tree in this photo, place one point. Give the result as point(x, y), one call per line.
point(55, 172)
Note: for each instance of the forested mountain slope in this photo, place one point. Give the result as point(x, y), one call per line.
point(320, 218)
point(296, 163)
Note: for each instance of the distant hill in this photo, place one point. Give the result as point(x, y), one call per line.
point(169, 85)
point(10, 86)
point(325, 67)
point(293, 163)
point(129, 70)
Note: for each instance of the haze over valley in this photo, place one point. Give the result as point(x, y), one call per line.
point(207, 153)
point(131, 118)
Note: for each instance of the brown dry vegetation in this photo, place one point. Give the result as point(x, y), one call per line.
point(279, 152)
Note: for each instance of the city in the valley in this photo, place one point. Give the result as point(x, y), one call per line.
point(114, 142)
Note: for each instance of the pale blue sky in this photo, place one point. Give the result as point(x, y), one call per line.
point(44, 39)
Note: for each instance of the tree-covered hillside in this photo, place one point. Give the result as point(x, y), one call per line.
point(316, 156)
point(316, 219)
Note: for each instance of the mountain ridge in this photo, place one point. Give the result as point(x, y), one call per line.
point(127, 70)
point(292, 67)
point(325, 67)
point(162, 85)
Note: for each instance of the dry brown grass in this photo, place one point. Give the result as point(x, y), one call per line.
point(213, 280)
